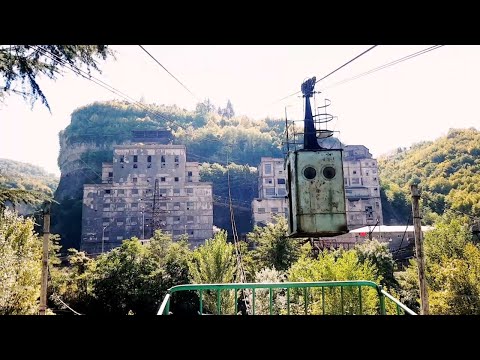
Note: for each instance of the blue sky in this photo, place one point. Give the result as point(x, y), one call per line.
point(419, 99)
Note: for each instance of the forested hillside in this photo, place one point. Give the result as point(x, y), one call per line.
point(24, 176)
point(211, 134)
point(447, 169)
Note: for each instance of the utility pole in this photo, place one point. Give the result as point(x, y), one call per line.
point(424, 310)
point(44, 280)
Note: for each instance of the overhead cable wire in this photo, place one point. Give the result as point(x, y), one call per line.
point(158, 62)
point(334, 71)
point(381, 67)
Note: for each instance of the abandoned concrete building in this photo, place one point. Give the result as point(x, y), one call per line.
point(362, 189)
point(272, 190)
point(148, 186)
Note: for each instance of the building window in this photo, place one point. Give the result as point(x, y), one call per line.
point(274, 210)
point(355, 181)
point(261, 210)
point(108, 191)
point(366, 173)
point(122, 158)
point(268, 168)
point(285, 210)
point(119, 237)
point(106, 220)
point(162, 161)
point(282, 192)
point(134, 191)
point(120, 207)
point(268, 181)
point(163, 191)
point(270, 192)
point(346, 181)
point(176, 220)
point(105, 235)
point(119, 222)
point(134, 180)
point(177, 158)
point(280, 171)
point(163, 205)
point(176, 206)
point(190, 191)
point(135, 166)
point(149, 158)
point(280, 181)
point(135, 158)
point(177, 232)
point(190, 173)
point(120, 192)
point(354, 172)
point(176, 191)
point(110, 174)
point(190, 205)
point(176, 179)
point(190, 219)
point(134, 206)
point(106, 206)
point(162, 179)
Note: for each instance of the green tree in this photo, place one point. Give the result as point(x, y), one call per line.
point(332, 266)
point(214, 263)
point(20, 265)
point(74, 283)
point(25, 62)
point(380, 256)
point(272, 246)
point(172, 268)
point(123, 280)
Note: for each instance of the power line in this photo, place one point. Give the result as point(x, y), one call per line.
point(158, 62)
point(99, 82)
point(334, 71)
point(408, 57)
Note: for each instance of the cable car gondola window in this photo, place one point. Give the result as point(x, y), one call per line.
point(329, 172)
point(309, 173)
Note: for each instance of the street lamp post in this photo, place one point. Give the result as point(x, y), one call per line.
point(103, 235)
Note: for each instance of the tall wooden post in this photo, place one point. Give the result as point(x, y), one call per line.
point(44, 280)
point(424, 310)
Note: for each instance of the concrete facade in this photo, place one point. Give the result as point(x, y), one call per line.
point(362, 187)
point(272, 191)
point(122, 206)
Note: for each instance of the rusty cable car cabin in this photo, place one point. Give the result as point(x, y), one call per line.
point(315, 181)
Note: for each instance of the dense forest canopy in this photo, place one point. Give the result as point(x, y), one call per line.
point(20, 175)
point(447, 169)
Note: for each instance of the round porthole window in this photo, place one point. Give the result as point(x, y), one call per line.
point(309, 172)
point(329, 172)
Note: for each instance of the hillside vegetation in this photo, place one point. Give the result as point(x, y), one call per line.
point(447, 170)
point(24, 176)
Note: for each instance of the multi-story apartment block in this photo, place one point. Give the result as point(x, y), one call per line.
point(147, 185)
point(362, 188)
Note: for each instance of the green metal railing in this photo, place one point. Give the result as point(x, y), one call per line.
point(352, 294)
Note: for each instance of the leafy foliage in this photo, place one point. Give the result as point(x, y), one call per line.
point(379, 255)
point(214, 263)
point(448, 170)
point(273, 247)
point(20, 265)
point(23, 63)
point(338, 265)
